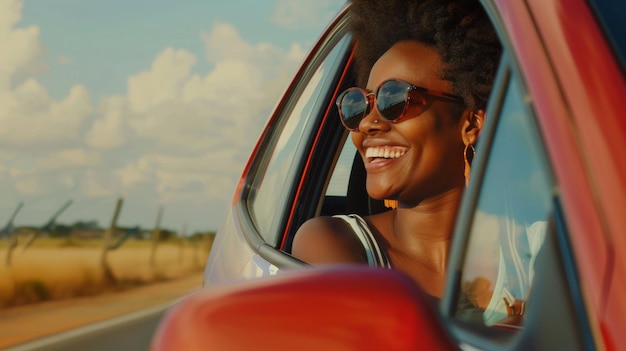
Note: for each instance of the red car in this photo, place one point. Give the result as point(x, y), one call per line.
point(537, 260)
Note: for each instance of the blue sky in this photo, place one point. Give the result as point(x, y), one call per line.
point(94, 35)
point(141, 100)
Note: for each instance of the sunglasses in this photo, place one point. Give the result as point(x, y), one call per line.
point(396, 100)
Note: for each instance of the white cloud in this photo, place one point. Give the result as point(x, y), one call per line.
point(40, 136)
point(202, 127)
point(162, 82)
point(29, 186)
point(37, 183)
point(229, 83)
point(225, 108)
point(176, 136)
point(135, 173)
point(110, 130)
point(20, 47)
point(92, 185)
point(296, 53)
point(29, 117)
point(68, 158)
point(225, 43)
point(197, 178)
point(305, 13)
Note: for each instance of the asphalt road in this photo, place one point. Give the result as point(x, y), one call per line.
point(129, 332)
point(118, 321)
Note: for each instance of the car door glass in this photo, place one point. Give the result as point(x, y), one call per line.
point(510, 221)
point(272, 188)
point(338, 185)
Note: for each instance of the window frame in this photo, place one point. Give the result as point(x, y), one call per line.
point(323, 155)
point(270, 250)
point(536, 331)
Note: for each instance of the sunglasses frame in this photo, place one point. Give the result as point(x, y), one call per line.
point(428, 96)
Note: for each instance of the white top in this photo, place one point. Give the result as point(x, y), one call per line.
point(516, 268)
point(376, 257)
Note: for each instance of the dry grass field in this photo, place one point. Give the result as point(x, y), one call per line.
point(54, 269)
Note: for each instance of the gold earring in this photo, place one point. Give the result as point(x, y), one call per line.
point(468, 157)
point(391, 203)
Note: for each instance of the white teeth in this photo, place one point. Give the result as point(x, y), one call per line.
point(384, 152)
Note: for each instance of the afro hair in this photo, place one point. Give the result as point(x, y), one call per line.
point(459, 30)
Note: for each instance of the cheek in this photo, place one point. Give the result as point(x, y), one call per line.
point(447, 130)
point(433, 140)
point(357, 140)
point(418, 130)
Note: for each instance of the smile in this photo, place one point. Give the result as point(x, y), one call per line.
point(384, 152)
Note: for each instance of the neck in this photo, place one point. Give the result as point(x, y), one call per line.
point(425, 229)
point(431, 219)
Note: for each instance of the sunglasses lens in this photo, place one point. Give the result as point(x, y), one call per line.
point(391, 99)
point(353, 107)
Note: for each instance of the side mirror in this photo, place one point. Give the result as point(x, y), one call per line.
point(334, 308)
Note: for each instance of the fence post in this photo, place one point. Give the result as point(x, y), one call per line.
point(48, 227)
point(106, 269)
point(156, 236)
point(9, 230)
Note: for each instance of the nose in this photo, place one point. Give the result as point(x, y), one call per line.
point(373, 121)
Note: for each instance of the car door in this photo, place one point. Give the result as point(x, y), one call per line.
point(514, 281)
point(516, 275)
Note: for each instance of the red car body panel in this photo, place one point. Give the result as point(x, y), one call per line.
point(260, 315)
point(559, 136)
point(582, 119)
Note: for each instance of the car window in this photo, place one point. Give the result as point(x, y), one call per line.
point(509, 223)
point(340, 177)
point(273, 187)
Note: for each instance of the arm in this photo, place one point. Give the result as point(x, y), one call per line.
point(327, 240)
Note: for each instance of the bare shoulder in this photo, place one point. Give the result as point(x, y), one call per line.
point(327, 240)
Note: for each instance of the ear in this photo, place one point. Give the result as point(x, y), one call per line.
point(472, 125)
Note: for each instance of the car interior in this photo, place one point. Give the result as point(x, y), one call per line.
point(356, 199)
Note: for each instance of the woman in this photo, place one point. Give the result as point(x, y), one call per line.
point(428, 67)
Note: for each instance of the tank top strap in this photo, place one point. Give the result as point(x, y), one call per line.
point(376, 257)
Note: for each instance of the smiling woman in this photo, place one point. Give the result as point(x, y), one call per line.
point(414, 123)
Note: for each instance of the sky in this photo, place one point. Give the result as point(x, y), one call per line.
point(158, 102)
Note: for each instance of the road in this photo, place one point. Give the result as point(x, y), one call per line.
point(116, 321)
